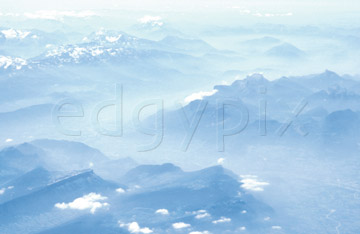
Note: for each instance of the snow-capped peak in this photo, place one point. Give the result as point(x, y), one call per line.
point(7, 62)
point(13, 33)
point(151, 20)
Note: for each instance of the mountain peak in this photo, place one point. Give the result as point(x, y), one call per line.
point(256, 76)
point(329, 73)
point(254, 79)
point(75, 175)
point(217, 171)
point(285, 50)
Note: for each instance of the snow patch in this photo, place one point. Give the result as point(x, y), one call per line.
point(112, 39)
point(17, 63)
point(199, 96)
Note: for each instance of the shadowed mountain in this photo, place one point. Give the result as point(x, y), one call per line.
point(197, 198)
point(215, 190)
point(27, 183)
point(42, 201)
point(88, 224)
point(74, 155)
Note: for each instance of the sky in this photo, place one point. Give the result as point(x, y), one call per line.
point(326, 5)
point(238, 12)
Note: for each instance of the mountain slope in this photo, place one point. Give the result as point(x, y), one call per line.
point(27, 209)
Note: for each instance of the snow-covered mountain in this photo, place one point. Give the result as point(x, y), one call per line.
point(28, 43)
point(9, 63)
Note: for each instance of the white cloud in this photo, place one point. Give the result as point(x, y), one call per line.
point(244, 212)
point(267, 218)
point(241, 10)
point(9, 139)
point(200, 214)
point(120, 190)
point(2, 191)
point(162, 211)
point(245, 11)
point(250, 182)
point(242, 228)
point(199, 96)
point(151, 20)
point(258, 14)
point(59, 15)
point(200, 211)
point(134, 188)
point(221, 161)
point(135, 228)
point(276, 227)
point(222, 220)
point(12, 14)
point(90, 202)
point(203, 232)
point(180, 225)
